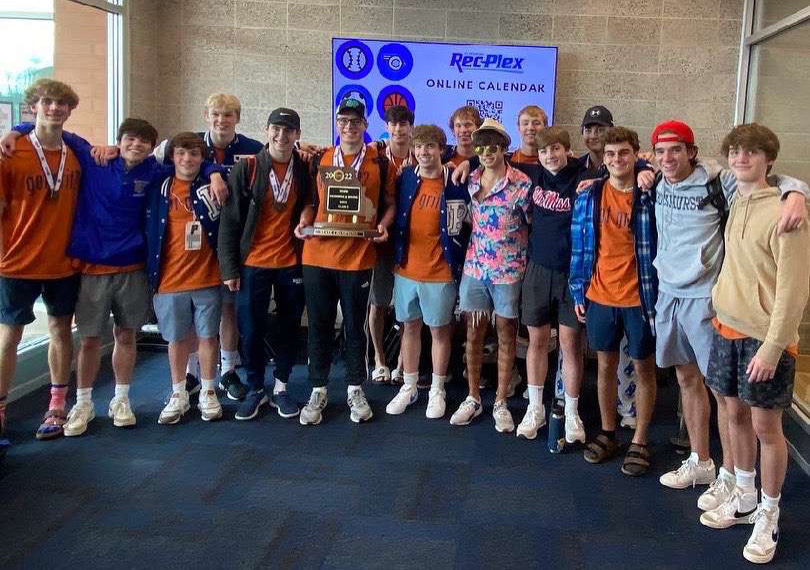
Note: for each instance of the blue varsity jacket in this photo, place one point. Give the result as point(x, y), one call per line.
point(238, 147)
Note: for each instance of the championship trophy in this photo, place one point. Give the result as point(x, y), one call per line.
point(350, 213)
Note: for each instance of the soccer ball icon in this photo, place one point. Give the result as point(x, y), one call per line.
point(354, 59)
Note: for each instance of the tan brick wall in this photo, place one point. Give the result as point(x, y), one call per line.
point(80, 59)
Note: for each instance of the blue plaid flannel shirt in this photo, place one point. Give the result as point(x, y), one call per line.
point(584, 246)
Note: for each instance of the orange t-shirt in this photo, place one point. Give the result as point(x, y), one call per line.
point(98, 269)
point(425, 258)
point(520, 158)
point(219, 155)
point(352, 254)
point(273, 246)
point(35, 227)
point(731, 334)
point(615, 280)
point(182, 270)
point(457, 159)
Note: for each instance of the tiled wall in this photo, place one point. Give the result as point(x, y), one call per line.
point(647, 60)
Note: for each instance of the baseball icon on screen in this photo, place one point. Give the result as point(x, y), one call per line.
point(354, 59)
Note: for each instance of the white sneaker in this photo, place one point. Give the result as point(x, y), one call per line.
point(358, 404)
point(312, 413)
point(534, 419)
point(209, 406)
point(689, 474)
point(718, 493)
point(628, 422)
point(574, 430)
point(120, 412)
point(81, 414)
point(174, 410)
point(436, 404)
point(514, 382)
point(503, 417)
point(469, 409)
point(406, 396)
point(728, 514)
point(761, 545)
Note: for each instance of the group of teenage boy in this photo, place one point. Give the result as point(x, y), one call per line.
point(689, 265)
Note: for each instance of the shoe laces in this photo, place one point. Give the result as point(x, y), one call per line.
point(316, 400)
point(720, 485)
point(764, 520)
point(687, 469)
point(358, 398)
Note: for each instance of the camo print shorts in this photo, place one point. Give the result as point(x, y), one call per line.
point(726, 375)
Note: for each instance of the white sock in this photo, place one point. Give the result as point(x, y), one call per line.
point(748, 490)
point(179, 387)
point(122, 390)
point(694, 458)
point(770, 503)
point(193, 366)
point(84, 394)
point(535, 395)
point(411, 378)
point(279, 386)
point(571, 405)
point(437, 382)
point(352, 389)
point(724, 473)
point(319, 390)
point(206, 385)
point(228, 360)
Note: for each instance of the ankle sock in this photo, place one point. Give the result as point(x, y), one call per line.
point(352, 389)
point(58, 394)
point(279, 386)
point(122, 390)
point(410, 379)
point(770, 503)
point(724, 473)
point(748, 491)
point(206, 385)
point(319, 390)
point(179, 387)
point(571, 405)
point(193, 366)
point(437, 382)
point(228, 360)
point(84, 395)
point(535, 395)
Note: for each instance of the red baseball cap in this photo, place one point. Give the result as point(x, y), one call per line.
point(672, 131)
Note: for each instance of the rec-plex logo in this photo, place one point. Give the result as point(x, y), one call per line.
point(490, 62)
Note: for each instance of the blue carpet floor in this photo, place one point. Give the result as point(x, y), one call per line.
point(398, 492)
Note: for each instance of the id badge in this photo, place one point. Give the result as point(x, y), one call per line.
point(193, 236)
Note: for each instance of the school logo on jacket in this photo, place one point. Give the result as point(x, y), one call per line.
point(456, 212)
point(139, 187)
point(205, 194)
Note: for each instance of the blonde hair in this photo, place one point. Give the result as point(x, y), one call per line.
point(44, 87)
point(533, 110)
point(224, 101)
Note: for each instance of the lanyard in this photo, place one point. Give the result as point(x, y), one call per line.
point(281, 192)
point(406, 162)
point(337, 159)
point(53, 185)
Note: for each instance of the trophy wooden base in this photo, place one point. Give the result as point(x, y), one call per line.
point(333, 230)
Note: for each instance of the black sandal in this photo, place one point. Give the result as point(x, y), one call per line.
point(601, 449)
point(636, 461)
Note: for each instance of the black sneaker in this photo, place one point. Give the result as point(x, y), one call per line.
point(232, 386)
point(249, 409)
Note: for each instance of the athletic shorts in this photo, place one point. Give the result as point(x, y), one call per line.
point(683, 331)
point(727, 365)
point(17, 297)
point(382, 279)
point(178, 312)
point(431, 302)
point(546, 299)
point(475, 295)
point(126, 295)
point(606, 326)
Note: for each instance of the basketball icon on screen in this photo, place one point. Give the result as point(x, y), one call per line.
point(394, 95)
point(392, 100)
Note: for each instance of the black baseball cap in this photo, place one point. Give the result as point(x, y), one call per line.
point(352, 105)
point(285, 118)
point(598, 115)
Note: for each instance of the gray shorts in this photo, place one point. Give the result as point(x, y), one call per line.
point(178, 312)
point(126, 295)
point(684, 331)
point(382, 279)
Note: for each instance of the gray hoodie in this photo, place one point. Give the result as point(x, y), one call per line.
point(690, 243)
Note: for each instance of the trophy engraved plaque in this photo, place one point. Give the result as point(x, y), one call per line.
point(349, 212)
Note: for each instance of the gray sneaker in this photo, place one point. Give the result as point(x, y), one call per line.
point(312, 413)
point(361, 411)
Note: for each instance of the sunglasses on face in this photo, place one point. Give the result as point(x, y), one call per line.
point(486, 149)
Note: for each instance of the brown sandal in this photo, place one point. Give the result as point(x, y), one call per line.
point(636, 461)
point(601, 449)
point(52, 424)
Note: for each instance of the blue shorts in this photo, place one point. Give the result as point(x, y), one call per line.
point(431, 302)
point(606, 326)
point(475, 295)
point(17, 297)
point(178, 312)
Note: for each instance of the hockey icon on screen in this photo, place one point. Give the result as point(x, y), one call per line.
point(394, 61)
